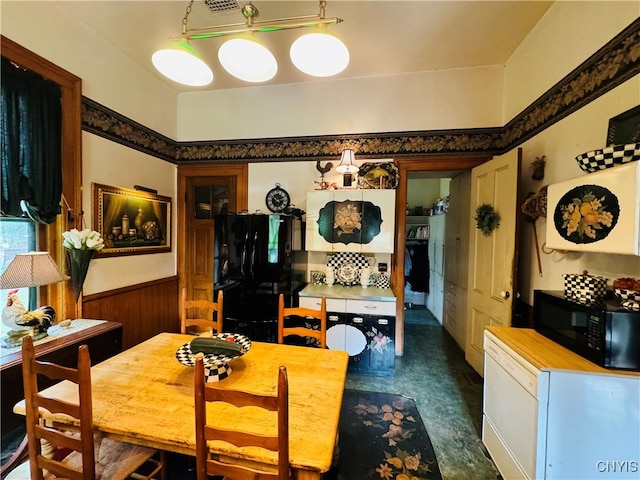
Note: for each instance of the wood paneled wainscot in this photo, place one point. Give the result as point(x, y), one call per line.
point(144, 310)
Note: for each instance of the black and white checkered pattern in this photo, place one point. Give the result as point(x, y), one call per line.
point(216, 367)
point(608, 157)
point(587, 289)
point(359, 262)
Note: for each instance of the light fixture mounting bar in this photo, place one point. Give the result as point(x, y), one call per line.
point(260, 26)
point(250, 12)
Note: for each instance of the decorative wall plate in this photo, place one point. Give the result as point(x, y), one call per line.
point(347, 267)
point(378, 175)
point(347, 273)
point(349, 221)
point(586, 214)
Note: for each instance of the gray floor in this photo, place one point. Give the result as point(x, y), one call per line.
point(447, 391)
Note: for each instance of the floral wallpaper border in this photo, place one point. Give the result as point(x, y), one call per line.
point(612, 65)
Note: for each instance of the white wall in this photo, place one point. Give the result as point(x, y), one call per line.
point(110, 78)
point(421, 101)
point(110, 163)
point(557, 45)
point(568, 34)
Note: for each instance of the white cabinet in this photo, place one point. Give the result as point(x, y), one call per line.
point(563, 419)
point(617, 190)
point(350, 221)
point(456, 241)
point(343, 305)
point(510, 411)
point(435, 297)
point(362, 327)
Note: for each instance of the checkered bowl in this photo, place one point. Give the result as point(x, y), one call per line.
point(216, 367)
point(608, 157)
point(630, 299)
point(625, 294)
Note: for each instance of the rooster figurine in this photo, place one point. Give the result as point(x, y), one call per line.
point(328, 166)
point(22, 322)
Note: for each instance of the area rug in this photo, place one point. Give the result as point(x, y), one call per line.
point(382, 437)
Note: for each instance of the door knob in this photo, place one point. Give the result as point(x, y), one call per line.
point(504, 294)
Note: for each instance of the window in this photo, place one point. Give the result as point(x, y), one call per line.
point(17, 235)
point(59, 295)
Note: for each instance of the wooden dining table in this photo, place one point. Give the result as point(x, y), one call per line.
point(145, 396)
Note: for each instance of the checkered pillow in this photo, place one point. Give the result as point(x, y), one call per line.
point(608, 157)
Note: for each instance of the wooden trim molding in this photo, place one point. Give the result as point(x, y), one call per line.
point(59, 295)
point(612, 65)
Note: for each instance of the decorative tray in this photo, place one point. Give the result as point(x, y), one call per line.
point(216, 367)
point(608, 157)
point(378, 175)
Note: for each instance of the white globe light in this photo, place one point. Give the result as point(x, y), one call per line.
point(182, 64)
point(248, 60)
point(319, 54)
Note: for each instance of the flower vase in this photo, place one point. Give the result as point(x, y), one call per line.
point(79, 261)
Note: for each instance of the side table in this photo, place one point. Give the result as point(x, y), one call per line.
point(104, 340)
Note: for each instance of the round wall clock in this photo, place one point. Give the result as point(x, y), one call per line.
point(277, 199)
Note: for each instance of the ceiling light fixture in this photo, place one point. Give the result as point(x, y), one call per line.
point(181, 63)
point(317, 53)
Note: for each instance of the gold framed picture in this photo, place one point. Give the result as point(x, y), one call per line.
point(132, 222)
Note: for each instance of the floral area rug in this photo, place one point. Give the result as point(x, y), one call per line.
point(382, 437)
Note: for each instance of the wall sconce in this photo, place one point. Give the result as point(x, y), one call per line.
point(347, 167)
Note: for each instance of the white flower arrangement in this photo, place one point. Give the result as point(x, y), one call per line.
point(82, 240)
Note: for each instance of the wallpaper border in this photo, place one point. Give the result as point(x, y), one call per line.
point(609, 67)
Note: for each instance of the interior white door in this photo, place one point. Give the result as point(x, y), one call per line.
point(491, 257)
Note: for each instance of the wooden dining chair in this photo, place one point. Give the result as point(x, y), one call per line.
point(211, 320)
point(307, 323)
point(91, 456)
point(228, 430)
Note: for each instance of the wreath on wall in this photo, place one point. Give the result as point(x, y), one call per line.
point(487, 219)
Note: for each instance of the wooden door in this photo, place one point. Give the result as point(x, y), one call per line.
point(492, 257)
point(206, 191)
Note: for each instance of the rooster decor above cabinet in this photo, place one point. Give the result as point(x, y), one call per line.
point(350, 221)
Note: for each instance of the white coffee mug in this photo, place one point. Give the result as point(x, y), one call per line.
point(329, 277)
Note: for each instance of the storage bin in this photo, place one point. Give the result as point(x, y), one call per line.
point(584, 288)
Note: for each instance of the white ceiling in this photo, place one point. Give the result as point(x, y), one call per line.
point(384, 37)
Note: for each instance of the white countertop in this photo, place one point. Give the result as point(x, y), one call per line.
point(354, 293)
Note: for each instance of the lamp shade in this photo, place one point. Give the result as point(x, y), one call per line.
point(247, 59)
point(181, 63)
point(347, 162)
point(31, 269)
point(319, 54)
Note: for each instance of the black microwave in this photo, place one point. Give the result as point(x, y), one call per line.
point(604, 332)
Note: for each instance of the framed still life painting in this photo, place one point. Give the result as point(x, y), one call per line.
point(599, 212)
point(132, 222)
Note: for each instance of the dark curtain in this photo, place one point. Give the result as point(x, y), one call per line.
point(31, 129)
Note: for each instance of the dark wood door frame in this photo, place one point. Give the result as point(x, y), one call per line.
point(405, 167)
point(240, 171)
